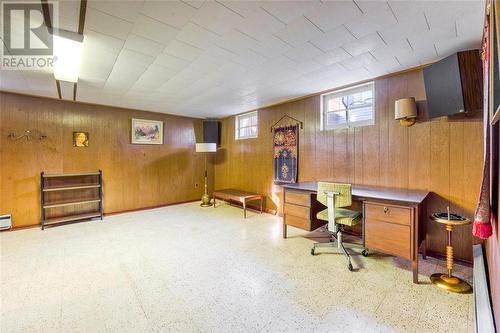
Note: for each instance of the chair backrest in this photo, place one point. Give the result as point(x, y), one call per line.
point(343, 199)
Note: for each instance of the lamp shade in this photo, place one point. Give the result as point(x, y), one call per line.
point(405, 108)
point(206, 147)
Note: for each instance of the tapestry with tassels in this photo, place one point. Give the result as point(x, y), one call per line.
point(286, 146)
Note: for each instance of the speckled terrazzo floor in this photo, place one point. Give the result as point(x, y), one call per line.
point(190, 269)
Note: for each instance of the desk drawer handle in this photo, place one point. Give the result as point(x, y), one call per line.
point(386, 210)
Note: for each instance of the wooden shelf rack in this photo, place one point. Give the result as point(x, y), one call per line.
point(70, 197)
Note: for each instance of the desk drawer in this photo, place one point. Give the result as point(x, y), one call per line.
point(390, 238)
point(298, 222)
point(388, 213)
point(298, 211)
point(298, 198)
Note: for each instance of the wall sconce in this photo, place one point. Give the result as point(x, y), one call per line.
point(406, 111)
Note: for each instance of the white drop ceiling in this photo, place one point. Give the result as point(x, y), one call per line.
point(219, 58)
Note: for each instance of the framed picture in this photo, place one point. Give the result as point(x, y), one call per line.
point(147, 132)
point(80, 139)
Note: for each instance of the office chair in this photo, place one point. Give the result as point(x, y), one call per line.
point(335, 196)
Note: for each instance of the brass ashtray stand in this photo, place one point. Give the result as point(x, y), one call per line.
point(448, 281)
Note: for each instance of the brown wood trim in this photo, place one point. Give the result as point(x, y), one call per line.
point(83, 12)
point(108, 214)
point(46, 14)
point(74, 91)
point(149, 207)
point(95, 104)
point(58, 85)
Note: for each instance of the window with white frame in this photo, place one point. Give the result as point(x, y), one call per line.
point(247, 125)
point(351, 107)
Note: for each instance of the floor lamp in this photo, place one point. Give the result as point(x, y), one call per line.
point(206, 148)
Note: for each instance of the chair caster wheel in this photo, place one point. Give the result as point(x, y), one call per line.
point(349, 267)
point(312, 252)
point(365, 253)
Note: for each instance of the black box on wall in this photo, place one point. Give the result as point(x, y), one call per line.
point(211, 131)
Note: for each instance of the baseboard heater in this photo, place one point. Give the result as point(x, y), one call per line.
point(483, 312)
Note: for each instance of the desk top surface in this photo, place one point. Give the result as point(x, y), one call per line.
point(370, 192)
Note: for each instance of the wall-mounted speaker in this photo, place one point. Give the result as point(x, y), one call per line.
point(211, 131)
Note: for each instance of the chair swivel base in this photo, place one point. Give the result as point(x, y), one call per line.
point(450, 283)
point(333, 244)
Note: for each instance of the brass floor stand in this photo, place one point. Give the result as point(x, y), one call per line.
point(448, 281)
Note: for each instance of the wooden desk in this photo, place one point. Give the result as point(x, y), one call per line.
point(392, 218)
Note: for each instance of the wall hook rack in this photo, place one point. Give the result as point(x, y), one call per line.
point(27, 134)
point(289, 117)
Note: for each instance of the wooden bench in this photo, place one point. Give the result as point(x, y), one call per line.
point(231, 194)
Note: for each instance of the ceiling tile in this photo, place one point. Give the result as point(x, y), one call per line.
point(194, 3)
point(362, 45)
point(259, 25)
point(288, 11)
point(69, 14)
point(171, 61)
point(143, 45)
point(183, 50)
point(216, 18)
point(126, 10)
point(132, 58)
point(235, 41)
point(332, 39)
point(364, 59)
point(154, 30)
point(271, 47)
point(385, 52)
point(372, 21)
point(174, 13)
point(153, 78)
point(243, 8)
point(303, 52)
point(332, 14)
point(197, 36)
point(332, 57)
point(107, 24)
point(94, 40)
point(299, 31)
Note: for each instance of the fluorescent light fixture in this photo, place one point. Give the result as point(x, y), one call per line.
point(67, 55)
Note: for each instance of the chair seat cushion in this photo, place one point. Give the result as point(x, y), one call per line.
point(342, 216)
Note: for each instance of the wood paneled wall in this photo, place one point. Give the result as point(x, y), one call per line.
point(441, 155)
point(135, 176)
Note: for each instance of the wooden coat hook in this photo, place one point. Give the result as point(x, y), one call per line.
point(28, 135)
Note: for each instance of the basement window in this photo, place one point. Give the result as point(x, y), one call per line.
point(246, 125)
point(351, 107)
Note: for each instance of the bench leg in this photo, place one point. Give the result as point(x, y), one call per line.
point(244, 209)
point(261, 205)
